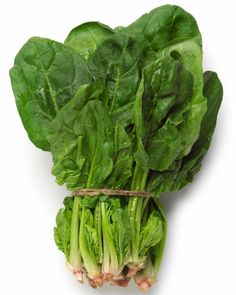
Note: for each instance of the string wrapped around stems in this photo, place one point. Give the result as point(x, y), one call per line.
point(109, 192)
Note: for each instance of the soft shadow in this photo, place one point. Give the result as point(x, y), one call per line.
point(170, 201)
point(107, 289)
point(39, 164)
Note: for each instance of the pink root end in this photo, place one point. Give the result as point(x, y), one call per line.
point(79, 277)
point(132, 272)
point(96, 281)
point(145, 284)
point(121, 281)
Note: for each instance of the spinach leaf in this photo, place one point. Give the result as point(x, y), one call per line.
point(81, 140)
point(45, 76)
point(166, 89)
point(63, 227)
point(86, 37)
point(89, 243)
point(123, 159)
point(163, 26)
point(184, 170)
point(116, 64)
point(151, 233)
point(191, 164)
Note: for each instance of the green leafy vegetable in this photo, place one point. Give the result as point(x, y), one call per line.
point(46, 75)
point(123, 109)
point(161, 28)
point(86, 37)
point(63, 226)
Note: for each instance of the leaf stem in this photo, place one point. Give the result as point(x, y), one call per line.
point(161, 246)
point(135, 207)
point(111, 264)
point(75, 256)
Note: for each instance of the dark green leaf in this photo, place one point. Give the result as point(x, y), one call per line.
point(82, 140)
point(116, 64)
point(86, 37)
point(163, 26)
point(63, 227)
point(213, 91)
point(45, 76)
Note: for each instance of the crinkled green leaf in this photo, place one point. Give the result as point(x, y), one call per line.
point(116, 64)
point(184, 170)
point(81, 139)
point(86, 37)
point(151, 233)
point(161, 113)
point(191, 164)
point(88, 241)
point(45, 76)
point(123, 160)
point(63, 227)
point(121, 233)
point(165, 25)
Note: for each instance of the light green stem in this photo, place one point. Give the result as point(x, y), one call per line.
point(110, 254)
point(75, 256)
point(98, 227)
point(89, 258)
point(161, 246)
point(135, 207)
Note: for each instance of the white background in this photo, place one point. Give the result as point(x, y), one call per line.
point(200, 256)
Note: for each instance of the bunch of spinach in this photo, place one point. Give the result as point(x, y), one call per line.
point(128, 108)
